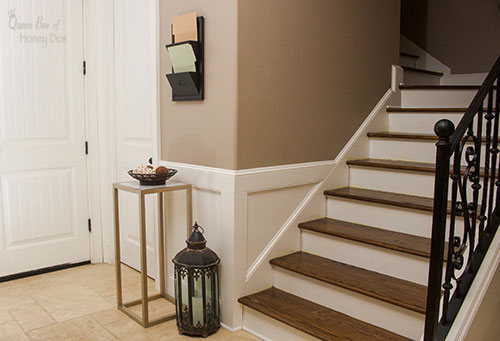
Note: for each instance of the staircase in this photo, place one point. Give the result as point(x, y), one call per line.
point(361, 273)
point(413, 74)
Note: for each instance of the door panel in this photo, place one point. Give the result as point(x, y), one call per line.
point(135, 102)
point(43, 178)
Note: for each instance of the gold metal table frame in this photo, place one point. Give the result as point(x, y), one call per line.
point(142, 191)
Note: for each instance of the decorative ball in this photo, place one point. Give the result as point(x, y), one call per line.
point(444, 128)
point(161, 170)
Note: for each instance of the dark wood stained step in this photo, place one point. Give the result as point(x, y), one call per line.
point(393, 290)
point(407, 136)
point(431, 110)
point(409, 55)
point(386, 198)
point(439, 87)
point(314, 319)
point(415, 245)
point(424, 167)
point(429, 72)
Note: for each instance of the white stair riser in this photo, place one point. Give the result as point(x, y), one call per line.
point(407, 150)
point(420, 78)
point(436, 98)
point(269, 329)
point(379, 313)
point(397, 181)
point(389, 262)
point(399, 219)
point(407, 61)
point(424, 122)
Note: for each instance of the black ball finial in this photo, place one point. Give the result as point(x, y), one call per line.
point(444, 128)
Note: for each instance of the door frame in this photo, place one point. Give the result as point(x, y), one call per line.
point(101, 117)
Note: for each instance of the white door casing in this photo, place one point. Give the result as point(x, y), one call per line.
point(136, 104)
point(43, 179)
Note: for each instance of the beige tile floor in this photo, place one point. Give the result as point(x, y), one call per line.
point(79, 304)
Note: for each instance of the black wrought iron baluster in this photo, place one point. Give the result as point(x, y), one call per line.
point(487, 155)
point(444, 129)
point(494, 154)
point(497, 182)
point(476, 185)
point(455, 211)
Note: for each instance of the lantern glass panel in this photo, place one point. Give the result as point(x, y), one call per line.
point(197, 300)
point(216, 295)
point(177, 301)
point(184, 308)
point(209, 295)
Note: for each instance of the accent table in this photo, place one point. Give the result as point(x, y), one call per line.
point(142, 191)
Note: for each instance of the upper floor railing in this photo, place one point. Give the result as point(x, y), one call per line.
point(471, 217)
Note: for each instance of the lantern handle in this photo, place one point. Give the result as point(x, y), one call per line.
point(196, 226)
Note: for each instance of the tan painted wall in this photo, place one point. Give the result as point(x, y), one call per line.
point(195, 132)
point(309, 72)
point(287, 81)
point(462, 34)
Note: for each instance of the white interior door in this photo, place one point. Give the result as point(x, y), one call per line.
point(136, 117)
point(43, 197)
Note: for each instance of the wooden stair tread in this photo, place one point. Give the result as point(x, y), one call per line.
point(415, 110)
point(425, 167)
point(314, 319)
point(393, 290)
point(439, 87)
point(405, 54)
point(429, 72)
point(415, 245)
point(387, 198)
point(408, 136)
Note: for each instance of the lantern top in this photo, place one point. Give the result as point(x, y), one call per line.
point(196, 241)
point(196, 254)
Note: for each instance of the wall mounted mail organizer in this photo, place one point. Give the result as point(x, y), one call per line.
point(186, 56)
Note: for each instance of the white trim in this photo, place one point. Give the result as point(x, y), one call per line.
point(281, 232)
point(251, 331)
point(232, 330)
point(281, 168)
point(99, 102)
point(362, 130)
point(476, 293)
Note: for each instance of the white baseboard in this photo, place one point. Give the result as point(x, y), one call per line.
point(250, 331)
point(232, 330)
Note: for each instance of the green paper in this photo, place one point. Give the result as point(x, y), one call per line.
point(182, 58)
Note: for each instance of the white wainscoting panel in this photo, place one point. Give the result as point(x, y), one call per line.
point(242, 213)
point(267, 211)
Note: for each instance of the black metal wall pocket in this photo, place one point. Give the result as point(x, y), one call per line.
point(188, 85)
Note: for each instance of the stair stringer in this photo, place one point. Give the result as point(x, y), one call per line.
point(313, 206)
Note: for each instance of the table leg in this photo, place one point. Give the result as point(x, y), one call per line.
point(189, 210)
point(144, 266)
point(118, 272)
point(161, 243)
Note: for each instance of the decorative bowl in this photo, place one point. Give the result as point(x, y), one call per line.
point(153, 179)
